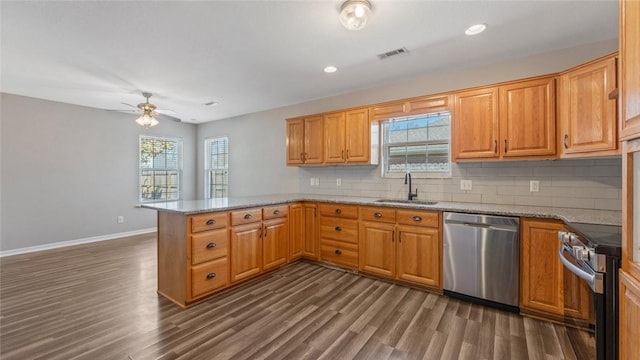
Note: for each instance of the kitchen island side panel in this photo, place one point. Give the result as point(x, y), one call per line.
point(172, 257)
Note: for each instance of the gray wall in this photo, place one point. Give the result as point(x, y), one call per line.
point(68, 171)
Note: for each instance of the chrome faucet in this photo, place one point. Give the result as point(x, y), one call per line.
point(407, 180)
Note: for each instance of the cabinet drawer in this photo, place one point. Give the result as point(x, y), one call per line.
point(417, 217)
point(209, 276)
point(210, 245)
point(339, 252)
point(210, 221)
point(339, 229)
point(378, 214)
point(246, 216)
point(339, 210)
point(273, 212)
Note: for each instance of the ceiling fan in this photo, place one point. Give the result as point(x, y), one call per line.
point(150, 114)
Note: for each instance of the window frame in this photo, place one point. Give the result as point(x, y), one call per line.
point(415, 174)
point(208, 169)
point(179, 144)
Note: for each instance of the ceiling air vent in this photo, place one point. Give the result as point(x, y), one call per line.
point(395, 52)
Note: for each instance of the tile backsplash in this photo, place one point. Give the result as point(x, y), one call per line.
point(587, 184)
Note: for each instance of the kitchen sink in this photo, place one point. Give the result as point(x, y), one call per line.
point(396, 201)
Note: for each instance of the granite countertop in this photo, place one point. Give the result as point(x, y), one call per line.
point(601, 217)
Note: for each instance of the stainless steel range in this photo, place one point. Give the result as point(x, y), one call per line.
point(593, 253)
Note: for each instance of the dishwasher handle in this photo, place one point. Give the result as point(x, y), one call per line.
point(482, 225)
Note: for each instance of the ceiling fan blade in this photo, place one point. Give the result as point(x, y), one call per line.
point(135, 107)
point(166, 117)
point(124, 111)
point(166, 112)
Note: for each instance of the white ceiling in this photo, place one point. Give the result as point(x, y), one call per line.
point(256, 55)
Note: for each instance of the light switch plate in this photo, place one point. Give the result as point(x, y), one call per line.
point(466, 185)
point(338, 182)
point(534, 186)
point(317, 181)
point(311, 182)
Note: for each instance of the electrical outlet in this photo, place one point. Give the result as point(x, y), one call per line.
point(534, 186)
point(466, 185)
point(311, 182)
point(338, 182)
point(120, 219)
point(317, 181)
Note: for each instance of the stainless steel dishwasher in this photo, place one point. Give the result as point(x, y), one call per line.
point(481, 256)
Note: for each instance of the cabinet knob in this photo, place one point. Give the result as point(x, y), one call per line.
point(211, 245)
point(276, 212)
point(338, 228)
point(377, 215)
point(211, 221)
point(338, 211)
point(338, 252)
point(248, 216)
point(417, 218)
point(211, 275)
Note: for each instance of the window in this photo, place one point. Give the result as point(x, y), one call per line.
point(216, 168)
point(420, 144)
point(160, 168)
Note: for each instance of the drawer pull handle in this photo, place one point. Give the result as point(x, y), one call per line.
point(566, 139)
point(338, 252)
point(211, 275)
point(377, 215)
point(338, 211)
point(211, 245)
point(417, 218)
point(248, 216)
point(338, 228)
point(276, 212)
point(211, 221)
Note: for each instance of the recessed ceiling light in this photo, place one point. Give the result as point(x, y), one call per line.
point(330, 69)
point(475, 29)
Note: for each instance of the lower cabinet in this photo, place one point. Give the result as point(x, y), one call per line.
point(310, 231)
point(389, 247)
point(275, 243)
point(339, 234)
point(546, 287)
point(246, 251)
point(296, 231)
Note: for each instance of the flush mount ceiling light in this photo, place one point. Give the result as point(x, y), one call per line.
point(475, 29)
point(330, 69)
point(355, 13)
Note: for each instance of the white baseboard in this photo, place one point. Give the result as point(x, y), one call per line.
point(75, 242)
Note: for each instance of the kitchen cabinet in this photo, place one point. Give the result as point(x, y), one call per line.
point(305, 140)
point(403, 244)
point(193, 255)
point(514, 120)
point(275, 243)
point(408, 107)
point(629, 68)
point(246, 251)
point(296, 231)
point(310, 231)
point(546, 287)
point(587, 113)
point(347, 137)
point(338, 232)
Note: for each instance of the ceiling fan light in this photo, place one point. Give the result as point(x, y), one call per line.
point(147, 121)
point(354, 14)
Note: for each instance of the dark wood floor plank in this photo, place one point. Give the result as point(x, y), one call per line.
point(99, 301)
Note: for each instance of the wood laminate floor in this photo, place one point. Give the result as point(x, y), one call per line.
point(99, 301)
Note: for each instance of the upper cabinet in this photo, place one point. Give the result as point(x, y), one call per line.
point(515, 120)
point(347, 137)
point(630, 68)
point(304, 140)
point(587, 108)
point(415, 106)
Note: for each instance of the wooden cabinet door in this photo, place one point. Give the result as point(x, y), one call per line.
point(246, 251)
point(296, 231)
point(275, 243)
point(313, 143)
point(310, 231)
point(419, 255)
point(527, 118)
point(475, 125)
point(630, 68)
point(295, 141)
point(588, 116)
point(378, 248)
point(334, 138)
point(541, 271)
point(358, 136)
point(629, 317)
point(577, 298)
